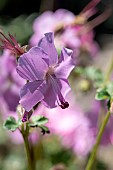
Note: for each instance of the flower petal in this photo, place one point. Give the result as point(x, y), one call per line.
point(54, 91)
point(65, 87)
point(66, 53)
point(30, 95)
point(44, 22)
point(66, 65)
point(32, 65)
point(50, 98)
point(64, 16)
point(47, 44)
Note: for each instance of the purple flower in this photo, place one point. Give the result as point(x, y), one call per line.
point(47, 75)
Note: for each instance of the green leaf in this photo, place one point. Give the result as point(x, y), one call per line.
point(44, 129)
point(38, 121)
point(10, 124)
point(22, 26)
point(102, 94)
point(42, 120)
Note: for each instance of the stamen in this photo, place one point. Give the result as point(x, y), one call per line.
point(60, 99)
point(64, 105)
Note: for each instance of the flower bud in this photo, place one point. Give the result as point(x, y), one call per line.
point(20, 111)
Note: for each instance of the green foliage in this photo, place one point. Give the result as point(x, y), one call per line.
point(102, 94)
point(105, 93)
point(44, 129)
point(91, 73)
point(108, 104)
point(101, 165)
point(54, 152)
point(39, 121)
point(21, 27)
point(10, 124)
point(62, 156)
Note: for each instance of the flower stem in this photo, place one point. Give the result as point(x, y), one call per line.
point(102, 128)
point(26, 143)
point(109, 70)
point(94, 151)
point(25, 134)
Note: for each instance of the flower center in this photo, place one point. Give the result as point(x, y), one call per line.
point(50, 73)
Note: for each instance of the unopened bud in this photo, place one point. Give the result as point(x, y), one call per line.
point(25, 48)
point(20, 111)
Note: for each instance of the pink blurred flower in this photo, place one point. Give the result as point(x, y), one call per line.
point(50, 22)
point(16, 136)
point(10, 83)
point(95, 115)
point(71, 126)
point(87, 41)
point(63, 23)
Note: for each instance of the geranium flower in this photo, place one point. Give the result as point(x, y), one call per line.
point(47, 75)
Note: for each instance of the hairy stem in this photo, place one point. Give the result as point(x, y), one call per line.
point(25, 133)
point(104, 123)
point(109, 70)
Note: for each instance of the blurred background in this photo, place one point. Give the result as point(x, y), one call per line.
point(13, 12)
point(55, 151)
